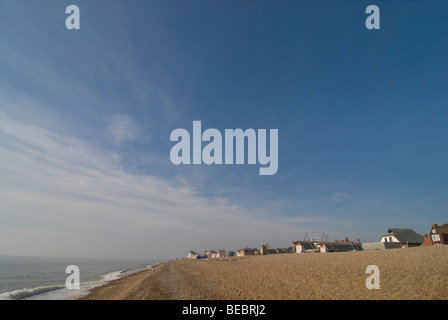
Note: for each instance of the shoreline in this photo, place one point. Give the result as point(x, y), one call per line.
point(125, 282)
point(49, 284)
point(419, 273)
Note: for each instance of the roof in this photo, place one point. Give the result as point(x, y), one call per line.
point(306, 245)
point(248, 249)
point(405, 235)
point(342, 246)
point(331, 246)
point(443, 229)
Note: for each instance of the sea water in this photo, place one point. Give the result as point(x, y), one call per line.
point(43, 278)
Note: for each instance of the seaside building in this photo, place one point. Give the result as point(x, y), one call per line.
point(406, 237)
point(427, 242)
point(285, 250)
point(437, 236)
point(218, 254)
point(266, 249)
point(191, 255)
point(304, 246)
point(326, 246)
point(247, 252)
point(208, 253)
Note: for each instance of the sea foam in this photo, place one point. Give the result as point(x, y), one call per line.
point(26, 293)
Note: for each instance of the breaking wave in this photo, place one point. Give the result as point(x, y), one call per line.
point(26, 293)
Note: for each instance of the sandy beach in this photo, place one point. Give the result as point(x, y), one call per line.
point(411, 274)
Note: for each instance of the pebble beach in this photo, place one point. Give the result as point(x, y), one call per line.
point(419, 273)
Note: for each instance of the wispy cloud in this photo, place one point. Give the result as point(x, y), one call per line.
point(121, 129)
point(63, 185)
point(341, 197)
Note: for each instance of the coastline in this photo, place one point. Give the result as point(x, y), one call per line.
point(119, 289)
point(44, 278)
point(419, 273)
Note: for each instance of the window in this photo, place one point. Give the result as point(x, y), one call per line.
point(435, 237)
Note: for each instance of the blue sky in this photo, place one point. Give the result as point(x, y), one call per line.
point(86, 117)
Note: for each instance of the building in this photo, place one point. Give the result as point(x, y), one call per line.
point(247, 252)
point(342, 246)
point(266, 249)
point(439, 234)
point(304, 246)
point(406, 237)
point(285, 250)
point(326, 246)
point(191, 255)
point(220, 254)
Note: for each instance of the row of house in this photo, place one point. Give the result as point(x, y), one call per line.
point(393, 238)
point(326, 246)
point(310, 245)
point(265, 249)
point(406, 238)
point(221, 253)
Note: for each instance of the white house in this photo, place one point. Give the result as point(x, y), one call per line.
point(191, 255)
point(407, 237)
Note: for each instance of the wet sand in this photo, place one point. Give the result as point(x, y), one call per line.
point(405, 274)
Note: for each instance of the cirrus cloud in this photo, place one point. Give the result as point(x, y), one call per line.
point(61, 196)
point(121, 129)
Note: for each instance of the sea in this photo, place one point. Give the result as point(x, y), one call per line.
point(44, 278)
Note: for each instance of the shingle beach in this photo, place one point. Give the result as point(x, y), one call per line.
point(404, 274)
